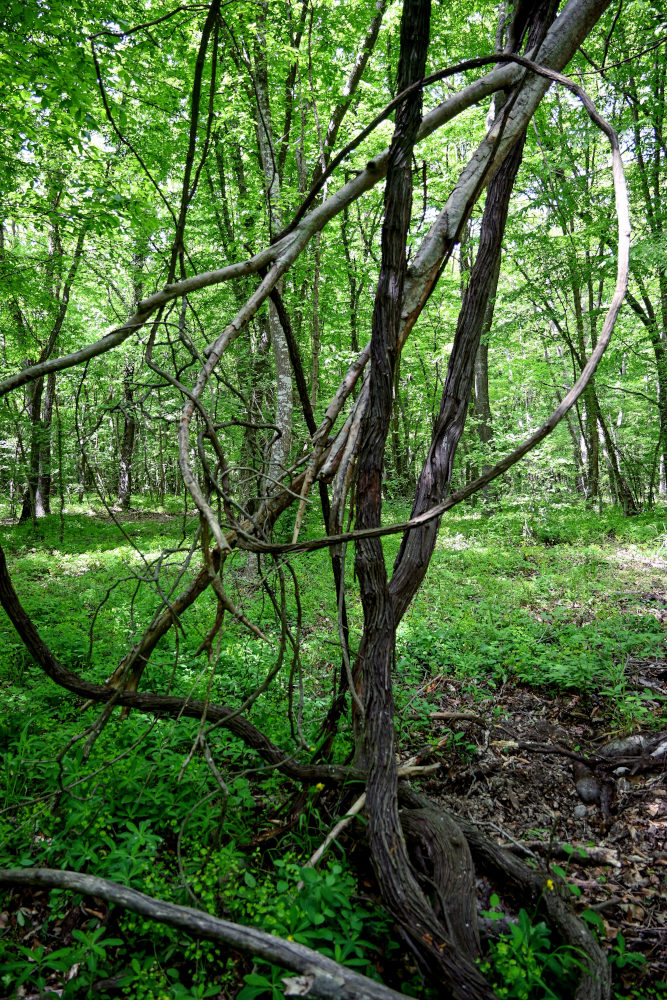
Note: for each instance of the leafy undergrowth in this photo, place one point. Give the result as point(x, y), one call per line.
point(546, 626)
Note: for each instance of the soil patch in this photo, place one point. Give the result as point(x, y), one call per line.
point(614, 851)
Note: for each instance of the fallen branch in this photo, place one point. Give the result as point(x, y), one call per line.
point(461, 717)
point(582, 856)
point(546, 748)
point(410, 767)
point(353, 811)
point(320, 976)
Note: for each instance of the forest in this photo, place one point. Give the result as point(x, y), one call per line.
point(333, 507)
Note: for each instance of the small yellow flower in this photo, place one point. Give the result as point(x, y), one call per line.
point(550, 883)
point(319, 786)
point(290, 937)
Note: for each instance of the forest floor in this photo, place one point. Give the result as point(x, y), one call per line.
point(513, 774)
point(547, 631)
point(613, 859)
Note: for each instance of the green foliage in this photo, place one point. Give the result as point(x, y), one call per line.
point(621, 958)
point(521, 612)
point(269, 986)
point(315, 908)
point(523, 965)
point(656, 992)
point(120, 816)
point(78, 965)
point(501, 606)
point(100, 120)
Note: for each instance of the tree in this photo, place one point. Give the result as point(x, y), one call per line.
point(189, 356)
point(648, 296)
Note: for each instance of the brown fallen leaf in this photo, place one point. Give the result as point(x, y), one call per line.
point(634, 910)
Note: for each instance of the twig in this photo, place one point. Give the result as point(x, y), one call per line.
point(410, 767)
point(354, 809)
point(592, 855)
point(508, 836)
point(461, 717)
point(549, 749)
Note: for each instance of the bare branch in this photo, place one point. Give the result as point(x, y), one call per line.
point(321, 977)
point(169, 705)
point(622, 213)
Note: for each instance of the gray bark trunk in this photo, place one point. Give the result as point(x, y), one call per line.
point(280, 448)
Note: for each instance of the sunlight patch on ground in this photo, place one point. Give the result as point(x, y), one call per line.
point(453, 543)
point(633, 556)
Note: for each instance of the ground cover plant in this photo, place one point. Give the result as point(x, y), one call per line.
point(143, 809)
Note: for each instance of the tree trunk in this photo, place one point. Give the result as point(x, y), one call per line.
point(621, 486)
point(400, 889)
point(127, 441)
point(417, 545)
point(126, 450)
point(40, 438)
point(352, 281)
point(397, 452)
point(316, 334)
point(577, 456)
point(280, 447)
point(481, 403)
point(44, 483)
point(592, 449)
point(30, 496)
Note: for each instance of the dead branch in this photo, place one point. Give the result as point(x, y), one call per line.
point(322, 977)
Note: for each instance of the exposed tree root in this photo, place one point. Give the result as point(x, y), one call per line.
point(513, 878)
point(524, 883)
point(441, 856)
